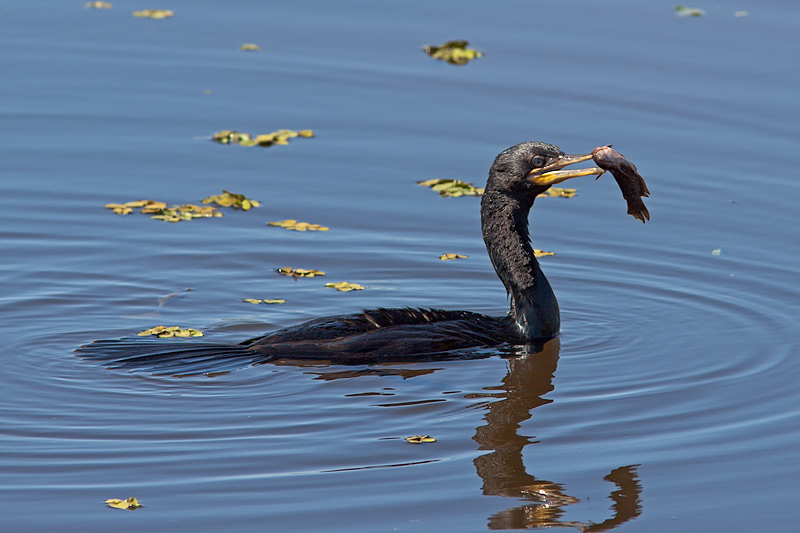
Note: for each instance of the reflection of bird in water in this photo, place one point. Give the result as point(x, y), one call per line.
point(538, 503)
point(517, 176)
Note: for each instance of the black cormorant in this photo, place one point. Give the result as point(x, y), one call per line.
point(517, 176)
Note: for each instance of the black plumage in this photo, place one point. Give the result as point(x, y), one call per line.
point(516, 177)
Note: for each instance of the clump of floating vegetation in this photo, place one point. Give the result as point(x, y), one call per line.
point(542, 253)
point(452, 188)
point(154, 13)
point(177, 213)
point(164, 332)
point(98, 5)
point(265, 301)
point(557, 192)
point(299, 272)
point(250, 47)
point(455, 188)
point(229, 199)
point(298, 226)
point(419, 439)
point(685, 11)
point(131, 504)
point(450, 257)
point(454, 52)
point(345, 286)
point(264, 139)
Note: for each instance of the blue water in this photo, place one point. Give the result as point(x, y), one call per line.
point(673, 382)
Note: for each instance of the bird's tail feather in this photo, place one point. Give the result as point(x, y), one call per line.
point(170, 357)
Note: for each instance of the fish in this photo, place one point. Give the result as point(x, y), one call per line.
point(630, 182)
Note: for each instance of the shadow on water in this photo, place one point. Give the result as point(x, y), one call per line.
point(529, 378)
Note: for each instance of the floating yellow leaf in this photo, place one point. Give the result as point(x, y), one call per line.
point(130, 503)
point(345, 286)
point(163, 332)
point(292, 224)
point(263, 139)
point(684, 11)
point(452, 188)
point(542, 253)
point(154, 13)
point(299, 272)
point(254, 301)
point(454, 52)
point(119, 209)
point(250, 47)
point(418, 439)
point(449, 257)
point(229, 199)
point(98, 5)
point(557, 192)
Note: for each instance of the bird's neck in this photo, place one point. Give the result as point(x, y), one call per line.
point(504, 220)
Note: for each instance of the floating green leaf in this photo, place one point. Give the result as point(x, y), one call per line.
point(154, 13)
point(345, 286)
point(164, 332)
point(264, 139)
point(454, 52)
point(557, 192)
point(254, 301)
point(250, 47)
point(542, 253)
point(450, 257)
point(98, 5)
point(452, 188)
point(129, 504)
point(419, 439)
point(229, 199)
point(685, 11)
point(716, 251)
point(298, 226)
point(299, 272)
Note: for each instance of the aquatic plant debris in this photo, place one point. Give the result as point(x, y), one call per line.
point(98, 5)
point(130, 504)
point(716, 251)
point(164, 332)
point(264, 139)
point(419, 439)
point(250, 47)
point(454, 52)
point(229, 199)
point(154, 13)
point(160, 210)
point(452, 188)
point(177, 213)
point(558, 192)
point(294, 225)
point(345, 286)
point(299, 272)
point(450, 257)
point(256, 301)
point(686, 11)
point(542, 253)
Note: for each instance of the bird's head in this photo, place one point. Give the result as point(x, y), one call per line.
point(531, 168)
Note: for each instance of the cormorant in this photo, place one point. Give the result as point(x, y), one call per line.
point(517, 176)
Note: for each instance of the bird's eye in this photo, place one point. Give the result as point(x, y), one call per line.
point(538, 161)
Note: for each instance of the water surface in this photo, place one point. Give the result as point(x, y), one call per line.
point(669, 403)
